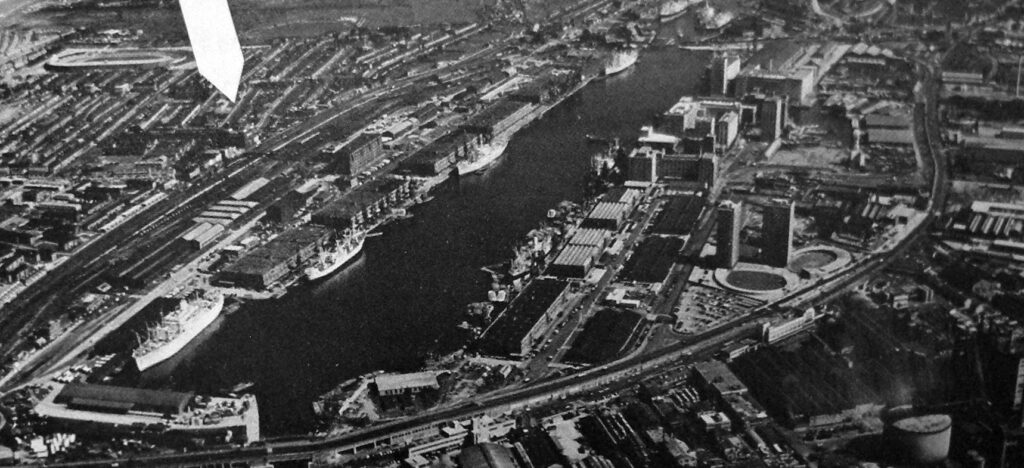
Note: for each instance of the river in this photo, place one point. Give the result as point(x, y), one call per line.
point(404, 296)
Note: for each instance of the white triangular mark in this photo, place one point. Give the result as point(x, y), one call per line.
point(214, 43)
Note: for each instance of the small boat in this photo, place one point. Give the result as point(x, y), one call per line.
point(242, 386)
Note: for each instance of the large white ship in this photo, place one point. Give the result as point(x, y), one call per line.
point(485, 156)
point(673, 9)
point(176, 329)
point(620, 60)
point(344, 250)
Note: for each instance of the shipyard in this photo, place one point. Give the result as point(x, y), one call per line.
point(586, 233)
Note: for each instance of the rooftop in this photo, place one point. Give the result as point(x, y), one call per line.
point(925, 424)
point(609, 210)
point(591, 237)
point(123, 396)
point(577, 255)
point(719, 376)
point(391, 382)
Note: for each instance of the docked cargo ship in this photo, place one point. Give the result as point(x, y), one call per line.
point(344, 250)
point(673, 9)
point(620, 60)
point(485, 156)
point(179, 327)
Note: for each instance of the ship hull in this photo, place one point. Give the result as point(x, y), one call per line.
point(313, 274)
point(485, 160)
point(621, 67)
point(203, 319)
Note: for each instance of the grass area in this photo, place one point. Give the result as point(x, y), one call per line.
point(756, 280)
point(812, 259)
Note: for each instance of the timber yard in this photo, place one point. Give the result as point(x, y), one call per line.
point(512, 233)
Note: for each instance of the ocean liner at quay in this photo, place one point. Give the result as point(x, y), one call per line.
point(176, 329)
point(484, 157)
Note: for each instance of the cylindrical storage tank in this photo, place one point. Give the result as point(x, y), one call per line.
point(922, 439)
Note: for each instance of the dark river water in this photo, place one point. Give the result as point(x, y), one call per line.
point(404, 296)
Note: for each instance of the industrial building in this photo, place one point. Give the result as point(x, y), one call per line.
point(575, 261)
point(590, 237)
point(123, 400)
point(695, 120)
point(786, 68)
point(487, 455)
point(890, 130)
point(777, 233)
point(729, 220)
point(390, 385)
point(647, 164)
point(359, 154)
point(202, 235)
point(724, 69)
point(525, 320)
point(497, 118)
point(716, 379)
point(266, 265)
point(607, 215)
point(362, 205)
point(993, 145)
point(151, 414)
point(773, 117)
point(444, 152)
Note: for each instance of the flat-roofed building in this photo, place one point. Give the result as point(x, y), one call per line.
point(110, 399)
point(267, 264)
point(402, 384)
point(133, 412)
point(575, 261)
point(526, 318)
point(607, 215)
point(716, 379)
point(359, 154)
point(729, 221)
point(777, 233)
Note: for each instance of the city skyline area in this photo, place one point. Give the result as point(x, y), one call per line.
point(512, 233)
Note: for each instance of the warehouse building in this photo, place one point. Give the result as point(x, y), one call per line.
point(202, 235)
point(607, 215)
point(575, 261)
point(152, 415)
point(438, 156)
point(359, 154)
point(266, 265)
point(389, 385)
point(526, 319)
point(591, 237)
point(497, 118)
point(363, 205)
point(123, 400)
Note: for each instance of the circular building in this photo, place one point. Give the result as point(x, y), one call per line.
point(921, 439)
